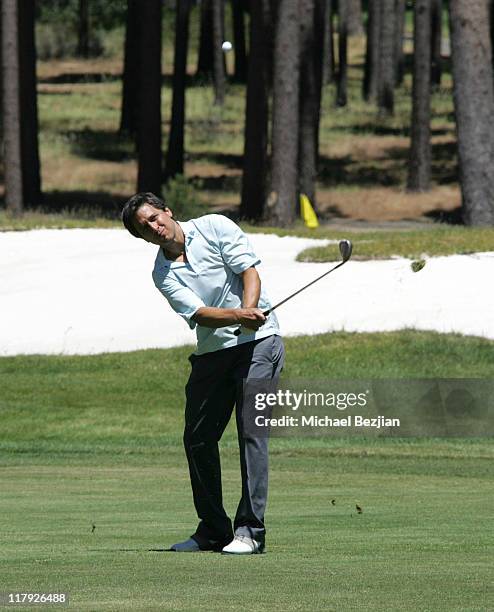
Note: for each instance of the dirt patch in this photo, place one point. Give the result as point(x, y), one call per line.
point(380, 204)
point(57, 68)
point(67, 173)
point(203, 170)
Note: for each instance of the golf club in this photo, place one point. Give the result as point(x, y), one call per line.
point(345, 247)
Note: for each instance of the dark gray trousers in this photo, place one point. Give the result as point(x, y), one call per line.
point(215, 386)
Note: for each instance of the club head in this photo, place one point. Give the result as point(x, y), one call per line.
point(345, 250)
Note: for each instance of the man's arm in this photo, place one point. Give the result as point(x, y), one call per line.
point(252, 288)
point(249, 316)
point(208, 316)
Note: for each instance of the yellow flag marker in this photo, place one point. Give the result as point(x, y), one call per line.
point(308, 214)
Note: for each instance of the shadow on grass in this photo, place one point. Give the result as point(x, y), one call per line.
point(86, 204)
point(331, 212)
point(449, 217)
point(337, 171)
point(230, 160)
point(103, 145)
point(377, 129)
point(390, 170)
point(141, 550)
point(67, 78)
point(222, 182)
point(444, 161)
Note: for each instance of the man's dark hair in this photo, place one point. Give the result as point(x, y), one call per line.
point(133, 205)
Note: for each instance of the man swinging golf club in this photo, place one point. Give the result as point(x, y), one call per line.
point(206, 269)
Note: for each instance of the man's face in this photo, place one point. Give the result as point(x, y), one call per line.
point(155, 225)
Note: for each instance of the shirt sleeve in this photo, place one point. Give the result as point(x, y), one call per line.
point(182, 299)
point(235, 247)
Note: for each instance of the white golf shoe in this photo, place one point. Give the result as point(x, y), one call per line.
point(243, 545)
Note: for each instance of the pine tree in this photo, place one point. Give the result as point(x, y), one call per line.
point(149, 113)
point(11, 108)
point(420, 150)
point(256, 111)
point(474, 107)
point(282, 201)
point(175, 153)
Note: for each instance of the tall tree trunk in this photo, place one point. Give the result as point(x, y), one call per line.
point(219, 58)
point(31, 181)
point(355, 20)
point(240, 71)
point(385, 92)
point(420, 151)
point(474, 107)
point(341, 94)
point(492, 28)
point(11, 108)
point(149, 115)
point(282, 201)
point(328, 51)
point(437, 25)
point(400, 33)
point(312, 17)
point(257, 111)
point(175, 154)
point(83, 29)
point(205, 59)
point(130, 78)
point(371, 70)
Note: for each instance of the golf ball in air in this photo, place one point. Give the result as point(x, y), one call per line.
point(226, 46)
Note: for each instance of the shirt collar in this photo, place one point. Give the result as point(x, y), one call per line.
point(189, 231)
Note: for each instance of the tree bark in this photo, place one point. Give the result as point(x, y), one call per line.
point(175, 154)
point(312, 18)
point(355, 20)
point(205, 59)
point(341, 93)
point(282, 201)
point(474, 107)
point(240, 70)
point(149, 114)
point(385, 92)
point(420, 150)
point(437, 25)
point(130, 78)
point(257, 111)
point(83, 29)
point(400, 32)
point(371, 69)
point(31, 180)
point(11, 108)
point(219, 59)
point(328, 52)
point(492, 28)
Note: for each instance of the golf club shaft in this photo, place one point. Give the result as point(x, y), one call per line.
point(270, 310)
point(267, 312)
point(345, 247)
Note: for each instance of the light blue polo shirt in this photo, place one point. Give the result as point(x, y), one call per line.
point(217, 252)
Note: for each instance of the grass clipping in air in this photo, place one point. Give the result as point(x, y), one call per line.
point(417, 265)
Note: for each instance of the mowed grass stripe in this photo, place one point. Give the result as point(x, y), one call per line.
point(134, 401)
point(421, 543)
point(94, 483)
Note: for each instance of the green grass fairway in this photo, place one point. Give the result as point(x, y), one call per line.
point(94, 486)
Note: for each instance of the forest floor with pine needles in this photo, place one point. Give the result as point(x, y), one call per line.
point(89, 169)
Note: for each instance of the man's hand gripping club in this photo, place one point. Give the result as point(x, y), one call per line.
point(249, 317)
